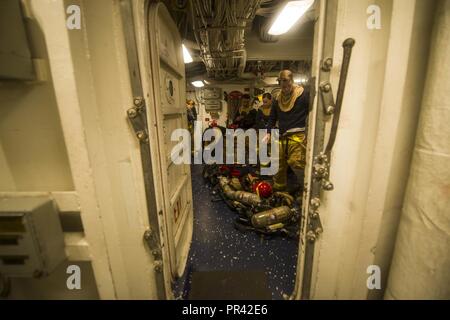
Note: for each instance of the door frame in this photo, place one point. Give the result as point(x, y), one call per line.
point(323, 48)
point(324, 40)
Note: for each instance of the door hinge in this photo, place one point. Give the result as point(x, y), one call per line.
point(153, 244)
point(321, 171)
point(138, 118)
point(327, 64)
point(326, 93)
point(315, 225)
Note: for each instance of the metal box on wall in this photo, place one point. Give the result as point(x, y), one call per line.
point(212, 94)
point(212, 99)
point(31, 237)
point(213, 105)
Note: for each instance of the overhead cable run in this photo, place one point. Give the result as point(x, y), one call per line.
point(219, 28)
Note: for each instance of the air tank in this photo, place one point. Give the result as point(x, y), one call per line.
point(271, 217)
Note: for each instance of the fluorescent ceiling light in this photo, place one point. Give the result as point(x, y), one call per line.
point(186, 55)
point(290, 14)
point(271, 80)
point(198, 84)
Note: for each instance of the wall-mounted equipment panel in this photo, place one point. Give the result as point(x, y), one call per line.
point(213, 105)
point(31, 237)
point(212, 99)
point(212, 93)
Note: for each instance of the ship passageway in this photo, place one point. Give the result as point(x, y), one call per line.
point(225, 263)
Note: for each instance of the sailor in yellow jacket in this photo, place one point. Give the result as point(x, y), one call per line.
point(290, 110)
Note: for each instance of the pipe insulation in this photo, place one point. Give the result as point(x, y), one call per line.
point(420, 267)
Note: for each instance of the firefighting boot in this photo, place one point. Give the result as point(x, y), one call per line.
point(300, 174)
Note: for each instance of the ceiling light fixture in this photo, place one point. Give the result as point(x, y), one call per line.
point(198, 84)
point(290, 14)
point(186, 55)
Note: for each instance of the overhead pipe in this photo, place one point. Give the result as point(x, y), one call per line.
point(219, 31)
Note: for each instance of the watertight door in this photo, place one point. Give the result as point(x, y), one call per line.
point(168, 78)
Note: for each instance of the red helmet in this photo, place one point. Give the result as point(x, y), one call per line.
point(263, 189)
point(223, 168)
point(235, 173)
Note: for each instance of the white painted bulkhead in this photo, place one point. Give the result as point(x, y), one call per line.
point(92, 92)
point(372, 154)
point(421, 263)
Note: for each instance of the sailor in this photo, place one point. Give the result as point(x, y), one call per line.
point(191, 114)
point(255, 103)
point(245, 118)
point(263, 114)
point(191, 117)
point(290, 109)
point(262, 120)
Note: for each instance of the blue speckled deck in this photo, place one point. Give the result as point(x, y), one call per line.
point(218, 246)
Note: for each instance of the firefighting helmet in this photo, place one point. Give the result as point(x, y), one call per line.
point(263, 189)
point(224, 169)
point(235, 173)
